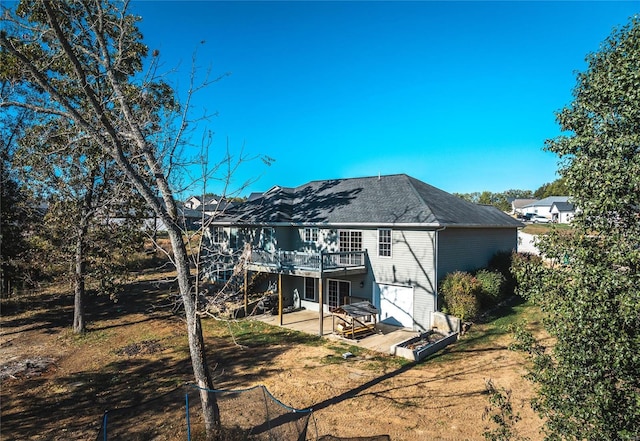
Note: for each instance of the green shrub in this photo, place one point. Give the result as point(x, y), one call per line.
point(460, 291)
point(525, 269)
point(493, 285)
point(502, 261)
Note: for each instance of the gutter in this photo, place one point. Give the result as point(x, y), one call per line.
point(363, 224)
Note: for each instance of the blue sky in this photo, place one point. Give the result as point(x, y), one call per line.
point(460, 95)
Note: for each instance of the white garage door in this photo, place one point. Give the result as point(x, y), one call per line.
point(396, 305)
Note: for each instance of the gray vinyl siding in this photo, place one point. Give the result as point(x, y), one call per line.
point(329, 240)
point(471, 249)
point(411, 264)
point(412, 261)
point(284, 237)
point(246, 235)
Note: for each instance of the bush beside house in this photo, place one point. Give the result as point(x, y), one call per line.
point(461, 293)
point(466, 294)
point(492, 287)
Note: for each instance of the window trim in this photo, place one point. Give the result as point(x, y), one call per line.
point(222, 273)
point(352, 238)
point(312, 231)
point(389, 243)
point(338, 282)
point(217, 235)
point(234, 238)
point(305, 296)
point(268, 239)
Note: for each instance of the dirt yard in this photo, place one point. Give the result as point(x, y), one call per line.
point(56, 386)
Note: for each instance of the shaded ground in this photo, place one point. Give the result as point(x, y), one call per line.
point(56, 385)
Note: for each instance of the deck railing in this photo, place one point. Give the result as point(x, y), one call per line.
point(308, 261)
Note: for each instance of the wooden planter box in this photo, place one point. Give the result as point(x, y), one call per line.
point(421, 346)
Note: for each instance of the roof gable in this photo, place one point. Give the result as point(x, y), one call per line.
point(563, 206)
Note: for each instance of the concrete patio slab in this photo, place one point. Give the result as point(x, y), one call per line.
point(309, 322)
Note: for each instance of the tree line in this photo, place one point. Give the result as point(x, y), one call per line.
point(502, 200)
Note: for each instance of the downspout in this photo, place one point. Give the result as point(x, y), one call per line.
point(436, 259)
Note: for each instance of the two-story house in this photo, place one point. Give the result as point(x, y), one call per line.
point(387, 239)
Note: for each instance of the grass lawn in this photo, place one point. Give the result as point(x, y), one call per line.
point(494, 328)
point(544, 228)
point(132, 353)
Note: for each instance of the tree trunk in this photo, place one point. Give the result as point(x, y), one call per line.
point(210, 410)
point(79, 287)
point(86, 208)
point(115, 121)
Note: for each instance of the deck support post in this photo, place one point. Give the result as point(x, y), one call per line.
point(280, 297)
point(321, 298)
point(246, 293)
point(321, 308)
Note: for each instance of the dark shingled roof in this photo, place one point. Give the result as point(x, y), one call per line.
point(385, 200)
point(564, 206)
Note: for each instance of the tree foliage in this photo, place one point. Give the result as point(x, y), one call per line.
point(79, 66)
point(84, 191)
point(13, 224)
point(500, 412)
point(589, 383)
point(492, 286)
point(501, 200)
point(20, 213)
point(556, 188)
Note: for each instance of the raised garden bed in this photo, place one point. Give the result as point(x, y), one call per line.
point(423, 345)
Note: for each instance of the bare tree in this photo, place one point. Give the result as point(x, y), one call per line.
point(82, 62)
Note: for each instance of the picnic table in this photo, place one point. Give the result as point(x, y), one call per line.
point(355, 320)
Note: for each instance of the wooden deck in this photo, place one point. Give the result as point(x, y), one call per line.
point(308, 322)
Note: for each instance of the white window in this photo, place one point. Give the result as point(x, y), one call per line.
point(310, 288)
point(350, 242)
point(222, 273)
point(384, 242)
point(218, 234)
point(234, 243)
point(268, 239)
point(311, 235)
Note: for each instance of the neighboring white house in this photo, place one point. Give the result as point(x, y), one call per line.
point(195, 206)
point(562, 212)
point(517, 205)
point(194, 202)
point(543, 206)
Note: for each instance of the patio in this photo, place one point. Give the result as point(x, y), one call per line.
point(307, 321)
